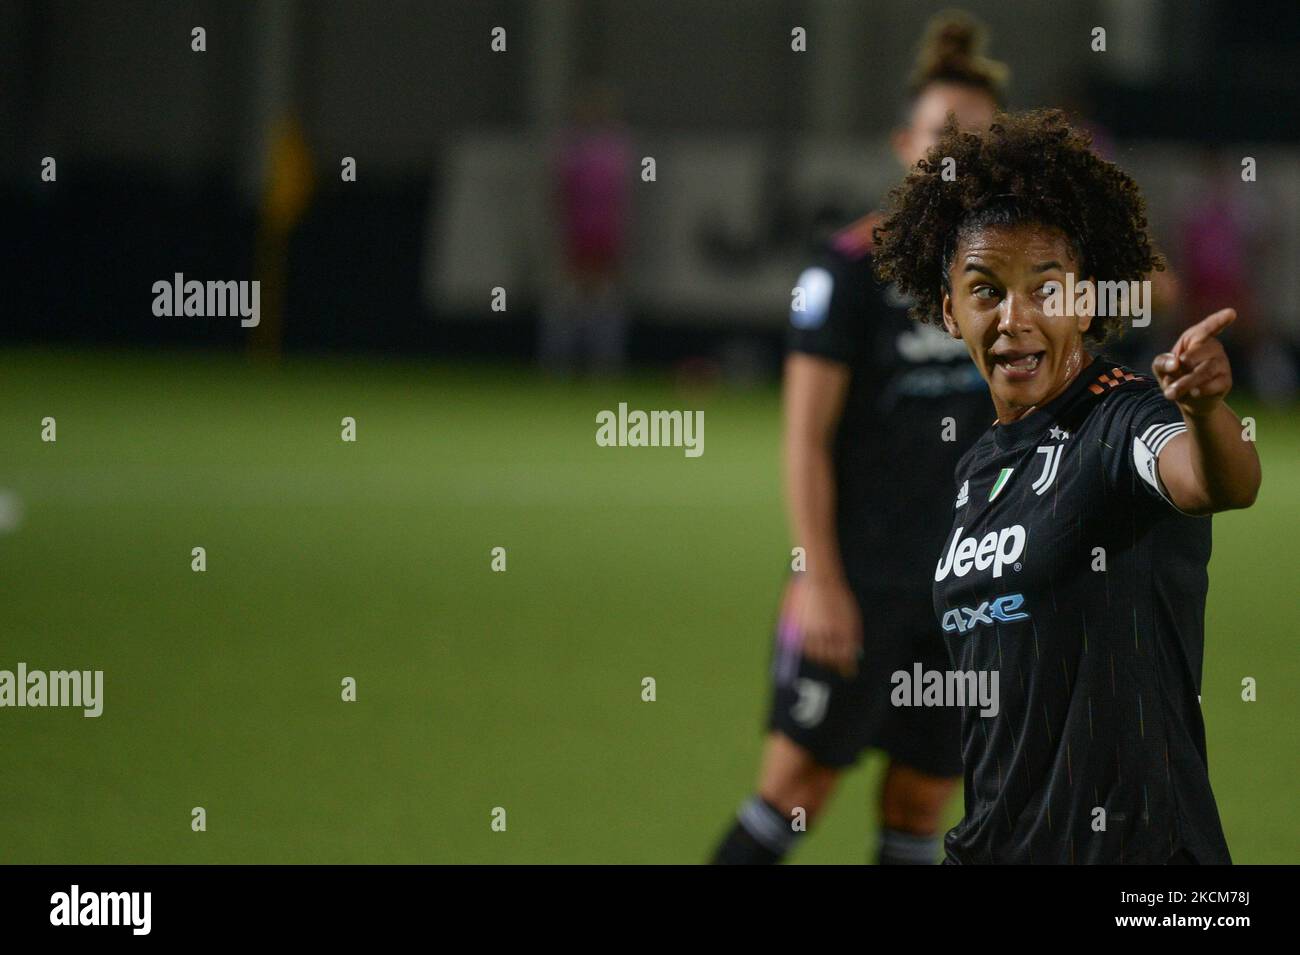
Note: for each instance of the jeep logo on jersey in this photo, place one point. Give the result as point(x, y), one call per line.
point(998, 549)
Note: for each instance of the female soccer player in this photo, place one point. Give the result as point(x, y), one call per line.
point(1076, 566)
point(877, 412)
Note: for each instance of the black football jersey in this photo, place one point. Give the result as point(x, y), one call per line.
point(1070, 573)
point(915, 402)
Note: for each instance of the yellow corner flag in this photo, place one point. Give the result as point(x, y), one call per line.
point(290, 183)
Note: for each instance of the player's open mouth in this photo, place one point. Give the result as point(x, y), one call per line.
point(1019, 366)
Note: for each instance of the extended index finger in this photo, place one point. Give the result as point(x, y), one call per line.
point(1207, 327)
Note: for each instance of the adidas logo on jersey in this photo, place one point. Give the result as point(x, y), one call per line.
point(998, 549)
point(963, 495)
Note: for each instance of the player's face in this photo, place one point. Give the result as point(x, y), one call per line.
point(973, 109)
point(1000, 285)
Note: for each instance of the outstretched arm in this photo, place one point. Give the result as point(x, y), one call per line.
point(1210, 467)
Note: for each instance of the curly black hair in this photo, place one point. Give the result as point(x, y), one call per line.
point(1030, 167)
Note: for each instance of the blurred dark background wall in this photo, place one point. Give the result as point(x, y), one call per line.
point(163, 152)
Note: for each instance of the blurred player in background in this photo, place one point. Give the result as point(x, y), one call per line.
point(877, 412)
point(1223, 230)
point(585, 316)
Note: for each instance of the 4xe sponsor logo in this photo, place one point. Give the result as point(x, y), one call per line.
point(997, 549)
point(1003, 609)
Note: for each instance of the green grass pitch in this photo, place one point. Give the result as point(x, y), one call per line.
point(475, 689)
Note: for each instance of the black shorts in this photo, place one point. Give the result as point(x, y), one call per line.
point(835, 718)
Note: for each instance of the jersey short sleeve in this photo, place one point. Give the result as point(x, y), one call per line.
point(1141, 427)
point(826, 314)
